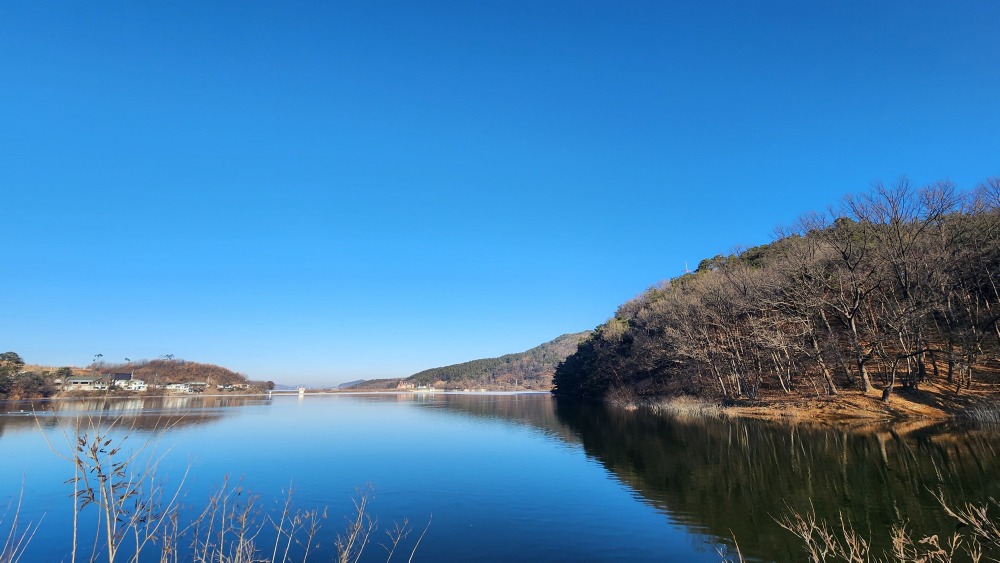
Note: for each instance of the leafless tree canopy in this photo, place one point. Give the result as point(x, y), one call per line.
point(888, 289)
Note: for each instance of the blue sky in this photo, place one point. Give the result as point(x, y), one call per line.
point(320, 192)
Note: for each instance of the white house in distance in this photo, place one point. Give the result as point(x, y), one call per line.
point(85, 383)
point(127, 382)
point(189, 387)
point(104, 382)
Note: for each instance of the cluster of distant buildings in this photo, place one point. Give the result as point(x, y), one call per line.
point(127, 382)
point(405, 385)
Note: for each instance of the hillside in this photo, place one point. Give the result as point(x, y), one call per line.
point(19, 380)
point(895, 295)
point(388, 384)
point(532, 369)
point(162, 372)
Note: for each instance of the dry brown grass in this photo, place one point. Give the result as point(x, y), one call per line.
point(932, 402)
point(687, 406)
point(39, 369)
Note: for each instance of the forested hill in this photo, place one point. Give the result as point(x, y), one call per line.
point(180, 371)
point(896, 288)
point(532, 369)
point(20, 381)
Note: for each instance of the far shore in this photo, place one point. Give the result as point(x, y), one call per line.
point(81, 396)
point(931, 404)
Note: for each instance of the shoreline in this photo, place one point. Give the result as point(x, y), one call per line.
point(932, 404)
point(289, 393)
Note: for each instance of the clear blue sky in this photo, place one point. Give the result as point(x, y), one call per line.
point(319, 192)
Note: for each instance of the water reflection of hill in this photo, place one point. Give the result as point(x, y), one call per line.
point(138, 413)
point(536, 410)
point(720, 475)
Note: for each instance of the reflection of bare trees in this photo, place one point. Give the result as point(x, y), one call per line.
point(725, 477)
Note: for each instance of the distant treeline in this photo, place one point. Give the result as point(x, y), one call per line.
point(891, 288)
point(19, 383)
point(372, 384)
point(532, 369)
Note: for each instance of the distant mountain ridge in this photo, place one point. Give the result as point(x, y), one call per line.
point(529, 370)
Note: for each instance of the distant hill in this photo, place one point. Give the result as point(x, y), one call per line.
point(162, 372)
point(532, 369)
point(370, 384)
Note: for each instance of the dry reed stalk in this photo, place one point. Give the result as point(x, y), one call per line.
point(17, 539)
point(824, 543)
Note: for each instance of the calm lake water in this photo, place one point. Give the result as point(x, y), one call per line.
point(517, 477)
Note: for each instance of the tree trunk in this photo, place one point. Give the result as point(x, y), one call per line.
point(831, 388)
point(866, 383)
point(841, 362)
point(951, 362)
point(777, 372)
point(887, 392)
point(934, 366)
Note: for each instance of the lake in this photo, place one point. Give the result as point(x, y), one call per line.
point(505, 477)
